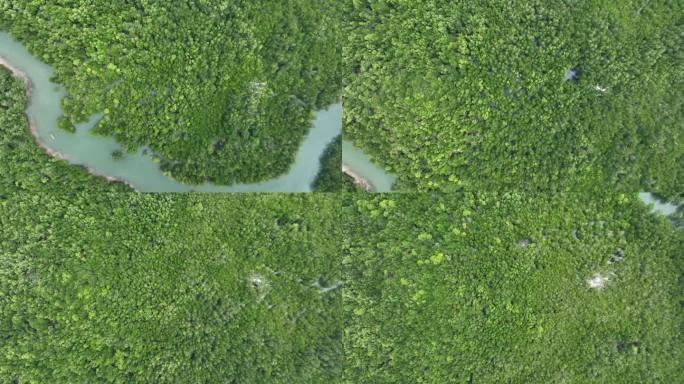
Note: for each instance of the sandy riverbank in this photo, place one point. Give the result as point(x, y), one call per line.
point(358, 180)
point(28, 86)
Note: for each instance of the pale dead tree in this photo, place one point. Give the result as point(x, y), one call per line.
point(642, 7)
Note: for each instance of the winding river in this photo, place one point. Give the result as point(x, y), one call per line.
point(143, 174)
point(139, 170)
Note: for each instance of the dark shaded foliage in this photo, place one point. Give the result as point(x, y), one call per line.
point(348, 185)
point(329, 178)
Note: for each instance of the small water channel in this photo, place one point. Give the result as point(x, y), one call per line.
point(139, 170)
point(361, 165)
point(658, 205)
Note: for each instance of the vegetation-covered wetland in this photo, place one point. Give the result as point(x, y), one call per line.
point(451, 288)
point(518, 95)
point(220, 91)
point(164, 288)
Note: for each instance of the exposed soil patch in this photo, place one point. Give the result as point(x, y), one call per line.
point(358, 180)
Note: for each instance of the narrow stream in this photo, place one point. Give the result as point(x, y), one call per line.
point(360, 164)
point(658, 206)
point(139, 170)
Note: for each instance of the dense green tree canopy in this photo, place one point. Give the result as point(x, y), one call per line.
point(185, 288)
point(518, 95)
point(512, 288)
point(222, 91)
point(24, 166)
point(330, 177)
point(348, 185)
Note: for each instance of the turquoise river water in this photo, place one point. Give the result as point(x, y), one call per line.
point(363, 166)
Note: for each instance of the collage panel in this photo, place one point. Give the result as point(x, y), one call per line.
point(210, 96)
point(170, 288)
point(511, 288)
point(533, 96)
